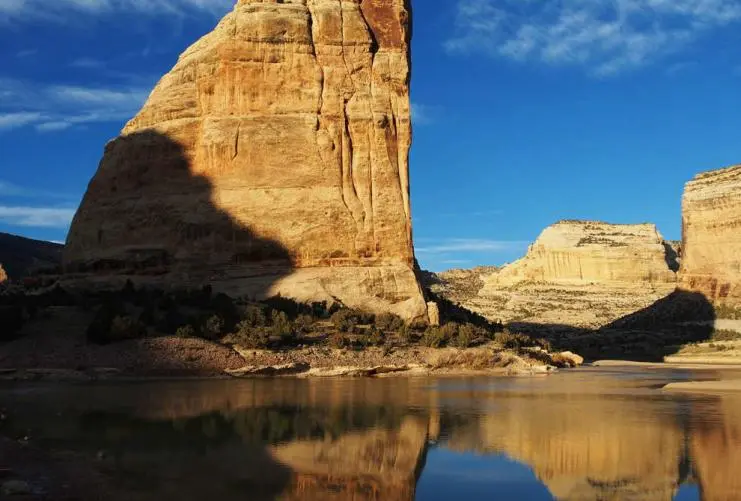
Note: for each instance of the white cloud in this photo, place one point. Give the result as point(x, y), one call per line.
point(8, 189)
point(470, 245)
point(19, 10)
point(13, 120)
point(55, 107)
point(423, 114)
point(38, 217)
point(605, 36)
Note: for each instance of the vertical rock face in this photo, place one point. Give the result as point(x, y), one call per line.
point(273, 158)
point(711, 247)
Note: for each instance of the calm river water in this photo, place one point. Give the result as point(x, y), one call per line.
point(592, 434)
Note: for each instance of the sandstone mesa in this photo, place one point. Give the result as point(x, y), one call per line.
point(272, 159)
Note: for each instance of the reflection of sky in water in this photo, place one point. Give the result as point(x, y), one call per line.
point(450, 475)
point(688, 493)
point(469, 477)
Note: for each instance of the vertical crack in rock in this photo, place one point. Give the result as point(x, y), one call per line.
point(350, 190)
point(373, 51)
point(235, 153)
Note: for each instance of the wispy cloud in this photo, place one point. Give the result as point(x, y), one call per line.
point(37, 217)
point(57, 10)
point(11, 190)
point(470, 245)
point(423, 114)
point(13, 120)
point(604, 36)
point(59, 107)
point(26, 53)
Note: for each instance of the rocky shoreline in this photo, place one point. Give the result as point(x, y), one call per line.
point(316, 362)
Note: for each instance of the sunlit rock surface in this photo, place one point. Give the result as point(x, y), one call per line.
point(711, 219)
point(272, 159)
point(577, 273)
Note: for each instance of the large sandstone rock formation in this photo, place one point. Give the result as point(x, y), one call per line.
point(711, 218)
point(577, 273)
point(273, 158)
point(582, 252)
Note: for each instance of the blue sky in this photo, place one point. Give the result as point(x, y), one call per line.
point(526, 111)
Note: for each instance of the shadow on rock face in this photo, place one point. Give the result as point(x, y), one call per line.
point(148, 217)
point(649, 334)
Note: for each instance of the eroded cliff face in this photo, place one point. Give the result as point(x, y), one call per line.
point(711, 218)
point(273, 158)
point(577, 273)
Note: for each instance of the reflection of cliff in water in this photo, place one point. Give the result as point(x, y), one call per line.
point(369, 440)
point(587, 449)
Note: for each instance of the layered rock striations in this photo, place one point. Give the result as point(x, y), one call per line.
point(577, 273)
point(711, 219)
point(272, 159)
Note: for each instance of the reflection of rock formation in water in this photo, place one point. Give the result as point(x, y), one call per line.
point(287, 440)
point(378, 464)
point(586, 450)
point(716, 450)
point(268, 441)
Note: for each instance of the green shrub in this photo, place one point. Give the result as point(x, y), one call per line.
point(303, 324)
point(251, 337)
point(513, 340)
point(345, 320)
point(339, 341)
point(375, 337)
point(282, 327)
point(186, 331)
point(726, 335)
point(434, 337)
point(408, 335)
point(254, 316)
point(213, 327)
point(467, 334)
point(388, 322)
point(124, 327)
